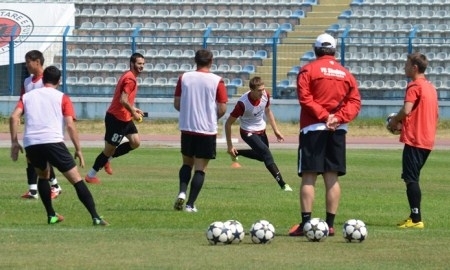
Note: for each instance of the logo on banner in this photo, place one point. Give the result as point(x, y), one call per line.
point(15, 25)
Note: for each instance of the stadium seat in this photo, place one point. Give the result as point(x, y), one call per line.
point(70, 66)
point(248, 69)
point(185, 67)
point(173, 67)
point(108, 67)
point(84, 80)
point(97, 80)
point(261, 54)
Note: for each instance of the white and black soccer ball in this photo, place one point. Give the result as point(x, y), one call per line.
point(354, 230)
point(237, 231)
point(316, 230)
point(218, 234)
point(395, 131)
point(262, 232)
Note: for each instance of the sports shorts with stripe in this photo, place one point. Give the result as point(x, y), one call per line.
point(322, 151)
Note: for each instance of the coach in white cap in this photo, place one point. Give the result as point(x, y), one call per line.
point(329, 99)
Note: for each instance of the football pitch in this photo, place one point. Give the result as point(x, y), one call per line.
point(146, 233)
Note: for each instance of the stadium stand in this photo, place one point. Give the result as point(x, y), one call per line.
point(377, 34)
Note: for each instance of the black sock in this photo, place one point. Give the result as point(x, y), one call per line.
point(100, 161)
point(306, 216)
point(31, 175)
point(414, 195)
point(86, 198)
point(185, 177)
point(45, 194)
point(196, 186)
point(330, 219)
point(273, 169)
point(122, 149)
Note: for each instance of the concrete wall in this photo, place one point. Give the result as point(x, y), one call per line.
point(284, 110)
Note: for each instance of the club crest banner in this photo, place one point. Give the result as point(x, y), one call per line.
point(32, 26)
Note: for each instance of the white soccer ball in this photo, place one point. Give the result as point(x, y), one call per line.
point(354, 230)
point(398, 129)
point(316, 230)
point(262, 232)
point(236, 229)
point(218, 234)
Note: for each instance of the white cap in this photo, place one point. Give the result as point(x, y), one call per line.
point(325, 41)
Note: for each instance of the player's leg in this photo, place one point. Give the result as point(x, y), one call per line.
point(132, 143)
point(413, 160)
point(37, 155)
point(335, 165)
point(260, 146)
point(60, 157)
point(55, 187)
point(185, 171)
point(204, 150)
point(333, 196)
point(32, 192)
point(310, 161)
point(114, 133)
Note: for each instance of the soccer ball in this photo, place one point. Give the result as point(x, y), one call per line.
point(262, 232)
point(218, 234)
point(316, 230)
point(237, 231)
point(354, 230)
point(396, 131)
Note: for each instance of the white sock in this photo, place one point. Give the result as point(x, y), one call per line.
point(92, 173)
point(32, 187)
point(53, 181)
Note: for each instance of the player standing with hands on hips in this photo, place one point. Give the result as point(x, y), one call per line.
point(200, 97)
point(47, 112)
point(329, 99)
point(419, 119)
point(119, 120)
point(251, 108)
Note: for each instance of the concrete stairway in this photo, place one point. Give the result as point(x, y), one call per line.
point(299, 41)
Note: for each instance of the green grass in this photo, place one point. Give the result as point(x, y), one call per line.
point(146, 233)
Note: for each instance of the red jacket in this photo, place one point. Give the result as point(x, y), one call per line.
point(325, 87)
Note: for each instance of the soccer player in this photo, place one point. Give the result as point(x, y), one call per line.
point(200, 97)
point(47, 112)
point(119, 120)
point(419, 119)
point(34, 62)
point(251, 108)
point(329, 99)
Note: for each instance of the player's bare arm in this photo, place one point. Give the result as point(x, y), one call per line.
point(137, 114)
point(176, 103)
point(273, 124)
point(221, 110)
point(14, 122)
point(231, 150)
point(402, 113)
point(74, 137)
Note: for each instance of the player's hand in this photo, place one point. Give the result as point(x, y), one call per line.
point(232, 151)
point(78, 155)
point(280, 137)
point(332, 122)
point(15, 149)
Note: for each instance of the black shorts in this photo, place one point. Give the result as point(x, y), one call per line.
point(116, 129)
point(56, 154)
point(322, 151)
point(199, 146)
point(412, 162)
